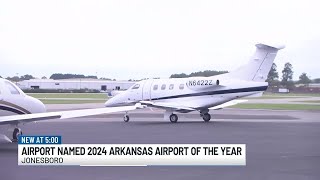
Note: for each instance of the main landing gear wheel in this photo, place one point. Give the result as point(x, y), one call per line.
point(126, 118)
point(16, 133)
point(173, 118)
point(206, 117)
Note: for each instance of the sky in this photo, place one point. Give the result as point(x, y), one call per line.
point(134, 39)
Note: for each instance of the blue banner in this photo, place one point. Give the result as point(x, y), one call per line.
point(39, 139)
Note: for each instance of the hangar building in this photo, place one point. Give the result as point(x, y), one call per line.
point(72, 84)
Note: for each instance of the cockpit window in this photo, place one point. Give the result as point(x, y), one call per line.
point(12, 88)
point(136, 86)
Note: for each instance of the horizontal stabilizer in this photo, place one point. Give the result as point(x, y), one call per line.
point(265, 46)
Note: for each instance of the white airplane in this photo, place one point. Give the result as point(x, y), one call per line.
point(202, 93)
point(17, 108)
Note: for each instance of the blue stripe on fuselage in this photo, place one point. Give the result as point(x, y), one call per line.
point(228, 91)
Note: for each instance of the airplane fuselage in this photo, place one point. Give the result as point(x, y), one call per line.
point(196, 92)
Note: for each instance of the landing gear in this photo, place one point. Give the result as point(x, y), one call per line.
point(173, 118)
point(16, 133)
point(204, 113)
point(206, 117)
point(126, 118)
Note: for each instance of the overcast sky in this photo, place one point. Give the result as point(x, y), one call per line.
point(126, 39)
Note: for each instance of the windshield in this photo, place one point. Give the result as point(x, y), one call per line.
point(136, 86)
point(12, 88)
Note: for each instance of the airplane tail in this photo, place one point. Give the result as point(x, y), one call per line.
point(259, 65)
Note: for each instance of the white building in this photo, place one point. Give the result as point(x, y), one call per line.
point(72, 84)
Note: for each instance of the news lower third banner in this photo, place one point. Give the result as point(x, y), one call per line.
point(49, 150)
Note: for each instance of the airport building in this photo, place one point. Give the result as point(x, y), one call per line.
point(75, 84)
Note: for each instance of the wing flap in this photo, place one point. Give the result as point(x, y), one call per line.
point(170, 106)
point(229, 103)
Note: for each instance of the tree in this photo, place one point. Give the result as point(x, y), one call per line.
point(273, 76)
point(317, 80)
point(182, 75)
point(27, 77)
point(13, 79)
point(304, 79)
point(287, 74)
point(70, 76)
point(44, 77)
point(206, 73)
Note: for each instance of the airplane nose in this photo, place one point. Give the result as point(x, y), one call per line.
point(109, 103)
point(37, 105)
point(113, 102)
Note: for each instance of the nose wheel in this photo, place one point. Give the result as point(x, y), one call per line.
point(16, 133)
point(126, 118)
point(173, 118)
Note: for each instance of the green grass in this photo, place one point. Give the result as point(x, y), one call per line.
point(273, 97)
point(70, 98)
point(71, 101)
point(282, 96)
point(278, 106)
point(69, 95)
point(311, 101)
point(292, 94)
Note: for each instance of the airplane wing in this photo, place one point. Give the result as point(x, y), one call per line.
point(17, 119)
point(167, 106)
point(226, 104)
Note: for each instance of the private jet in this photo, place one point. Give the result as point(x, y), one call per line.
point(201, 94)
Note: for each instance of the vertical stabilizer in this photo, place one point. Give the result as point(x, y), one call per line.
point(259, 65)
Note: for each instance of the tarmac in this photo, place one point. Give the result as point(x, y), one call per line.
point(280, 144)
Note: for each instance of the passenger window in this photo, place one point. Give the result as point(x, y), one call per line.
point(181, 86)
point(12, 88)
point(136, 86)
point(163, 87)
point(155, 87)
point(171, 86)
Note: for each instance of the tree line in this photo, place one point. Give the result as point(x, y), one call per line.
point(273, 76)
point(286, 79)
point(206, 73)
point(54, 76)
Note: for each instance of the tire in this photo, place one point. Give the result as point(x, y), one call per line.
point(206, 117)
point(173, 118)
point(126, 118)
point(16, 133)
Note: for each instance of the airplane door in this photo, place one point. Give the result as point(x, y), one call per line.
point(146, 93)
